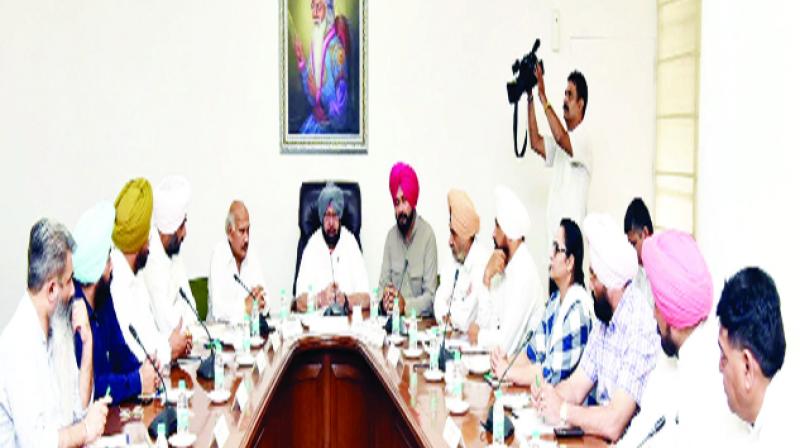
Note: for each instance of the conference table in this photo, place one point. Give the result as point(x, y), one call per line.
point(322, 388)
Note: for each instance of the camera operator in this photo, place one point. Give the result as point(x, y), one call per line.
point(568, 151)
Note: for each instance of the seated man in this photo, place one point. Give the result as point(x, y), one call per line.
point(409, 267)
point(228, 301)
point(695, 410)
point(622, 346)
point(461, 288)
point(559, 339)
point(116, 369)
point(332, 265)
point(638, 227)
point(165, 274)
point(41, 402)
point(134, 208)
point(512, 278)
point(752, 347)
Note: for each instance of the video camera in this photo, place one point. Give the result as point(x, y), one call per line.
point(524, 82)
point(526, 78)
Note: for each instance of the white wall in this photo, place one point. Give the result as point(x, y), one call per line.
point(94, 93)
point(748, 182)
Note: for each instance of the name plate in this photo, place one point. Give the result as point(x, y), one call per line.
point(452, 433)
point(221, 431)
point(261, 362)
point(393, 355)
point(242, 395)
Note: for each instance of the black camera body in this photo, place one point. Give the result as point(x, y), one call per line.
point(526, 78)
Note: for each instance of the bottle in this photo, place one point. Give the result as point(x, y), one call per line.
point(255, 329)
point(246, 335)
point(498, 432)
point(183, 408)
point(161, 440)
point(219, 367)
point(374, 302)
point(412, 331)
point(434, 354)
point(396, 318)
point(284, 314)
point(458, 377)
point(310, 302)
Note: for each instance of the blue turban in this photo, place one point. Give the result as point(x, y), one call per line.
point(93, 239)
point(333, 196)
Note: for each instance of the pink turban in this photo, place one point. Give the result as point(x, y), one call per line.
point(680, 280)
point(404, 176)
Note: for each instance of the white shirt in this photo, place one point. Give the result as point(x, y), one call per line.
point(225, 295)
point(29, 404)
point(693, 396)
point(569, 187)
point(319, 267)
point(469, 290)
point(132, 304)
point(164, 276)
point(774, 425)
point(517, 302)
point(641, 283)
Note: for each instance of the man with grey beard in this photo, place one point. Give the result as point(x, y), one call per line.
point(40, 402)
point(324, 76)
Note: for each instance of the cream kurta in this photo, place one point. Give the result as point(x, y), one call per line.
point(319, 267)
point(469, 290)
point(164, 276)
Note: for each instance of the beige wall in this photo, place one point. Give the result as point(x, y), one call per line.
point(94, 93)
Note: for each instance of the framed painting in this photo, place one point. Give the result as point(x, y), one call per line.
point(323, 91)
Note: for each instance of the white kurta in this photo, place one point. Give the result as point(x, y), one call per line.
point(469, 290)
point(319, 267)
point(517, 302)
point(225, 295)
point(132, 304)
point(774, 425)
point(29, 403)
point(569, 187)
point(695, 399)
point(641, 283)
point(164, 276)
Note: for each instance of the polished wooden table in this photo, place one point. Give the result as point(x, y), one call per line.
point(329, 391)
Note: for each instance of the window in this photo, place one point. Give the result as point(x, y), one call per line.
point(677, 93)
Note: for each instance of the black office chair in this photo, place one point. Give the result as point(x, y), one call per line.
point(308, 218)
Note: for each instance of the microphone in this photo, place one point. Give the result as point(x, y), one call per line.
point(262, 321)
point(489, 423)
point(168, 416)
point(656, 428)
point(206, 368)
point(388, 326)
point(444, 354)
point(334, 309)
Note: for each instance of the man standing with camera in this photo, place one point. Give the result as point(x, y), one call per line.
point(568, 151)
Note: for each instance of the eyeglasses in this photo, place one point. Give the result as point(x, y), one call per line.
point(556, 249)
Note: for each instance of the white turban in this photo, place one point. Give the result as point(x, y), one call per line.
point(613, 259)
point(171, 201)
point(511, 213)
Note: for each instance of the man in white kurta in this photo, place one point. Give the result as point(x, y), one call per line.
point(695, 411)
point(512, 277)
point(228, 300)
point(35, 408)
point(461, 296)
point(165, 273)
point(332, 267)
point(134, 209)
point(568, 151)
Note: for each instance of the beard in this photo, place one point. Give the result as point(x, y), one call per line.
point(602, 307)
point(331, 239)
point(503, 248)
point(669, 347)
point(404, 221)
point(141, 260)
point(317, 40)
point(65, 367)
point(173, 245)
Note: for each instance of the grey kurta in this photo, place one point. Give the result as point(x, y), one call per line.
point(419, 285)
